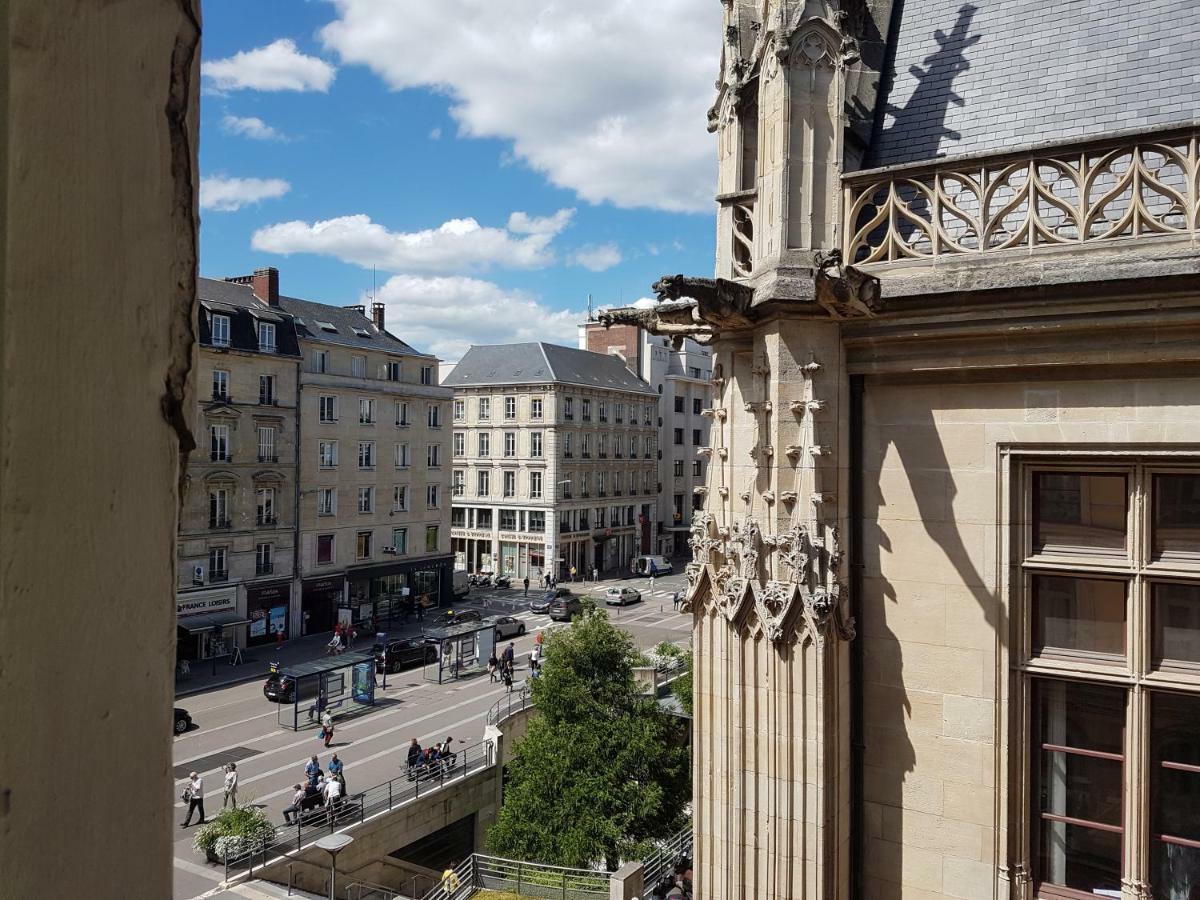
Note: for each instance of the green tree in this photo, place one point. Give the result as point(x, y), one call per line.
point(681, 687)
point(602, 770)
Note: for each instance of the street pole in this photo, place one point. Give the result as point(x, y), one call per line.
point(333, 844)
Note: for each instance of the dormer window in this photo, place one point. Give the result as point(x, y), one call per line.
point(326, 326)
point(220, 330)
point(266, 337)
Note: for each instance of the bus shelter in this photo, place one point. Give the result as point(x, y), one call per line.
point(463, 650)
point(342, 685)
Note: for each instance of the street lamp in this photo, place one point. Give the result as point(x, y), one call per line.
point(333, 844)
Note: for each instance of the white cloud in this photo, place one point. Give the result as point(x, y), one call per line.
point(597, 257)
point(435, 134)
point(456, 245)
point(446, 315)
point(224, 194)
point(606, 98)
point(251, 127)
point(278, 66)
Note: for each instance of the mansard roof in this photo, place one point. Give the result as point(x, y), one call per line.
point(542, 363)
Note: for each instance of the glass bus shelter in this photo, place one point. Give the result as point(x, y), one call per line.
point(463, 650)
point(343, 684)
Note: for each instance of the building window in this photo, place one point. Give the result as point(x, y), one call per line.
point(320, 361)
point(366, 411)
point(220, 330)
point(483, 518)
point(266, 337)
point(431, 539)
point(426, 374)
point(264, 559)
point(586, 410)
point(485, 408)
point(458, 444)
point(400, 541)
point(366, 454)
point(435, 415)
point(679, 401)
point(696, 406)
point(677, 468)
point(402, 457)
point(510, 484)
point(602, 411)
point(535, 444)
point(362, 546)
point(510, 444)
point(218, 442)
point(602, 446)
point(619, 415)
point(266, 444)
point(400, 498)
point(432, 496)
point(218, 508)
point(482, 482)
point(458, 517)
point(633, 443)
point(510, 407)
point(460, 410)
point(220, 385)
point(1098, 582)
point(695, 437)
point(366, 499)
point(324, 549)
point(458, 482)
point(433, 456)
point(392, 371)
point(358, 366)
point(485, 444)
point(402, 419)
point(328, 409)
point(698, 468)
point(328, 458)
point(568, 407)
point(537, 522)
point(600, 485)
point(535, 485)
point(508, 520)
point(567, 445)
point(326, 501)
point(535, 408)
point(265, 506)
point(678, 432)
point(585, 446)
point(218, 564)
point(693, 372)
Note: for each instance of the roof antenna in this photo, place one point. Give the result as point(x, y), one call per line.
point(373, 284)
point(590, 308)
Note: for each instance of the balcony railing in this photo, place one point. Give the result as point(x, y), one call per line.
point(215, 575)
point(265, 519)
point(220, 456)
point(1069, 195)
point(264, 568)
point(268, 458)
point(219, 522)
point(219, 397)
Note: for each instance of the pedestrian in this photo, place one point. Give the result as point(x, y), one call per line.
point(332, 792)
point(572, 574)
point(350, 634)
point(595, 574)
point(334, 647)
point(296, 806)
point(493, 667)
point(279, 636)
point(193, 795)
point(414, 754)
point(676, 599)
point(449, 882)
point(421, 601)
point(546, 580)
point(312, 769)
point(304, 622)
point(337, 770)
point(327, 727)
point(231, 779)
point(508, 676)
point(509, 653)
point(526, 585)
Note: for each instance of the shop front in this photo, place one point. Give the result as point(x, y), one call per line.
point(522, 556)
point(209, 624)
point(472, 550)
point(267, 609)
point(319, 602)
point(382, 595)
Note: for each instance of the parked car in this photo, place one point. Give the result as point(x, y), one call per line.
point(183, 721)
point(651, 565)
point(507, 627)
point(619, 596)
point(282, 689)
point(456, 617)
point(542, 604)
point(402, 652)
point(564, 609)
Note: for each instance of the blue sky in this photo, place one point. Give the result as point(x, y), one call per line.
point(337, 134)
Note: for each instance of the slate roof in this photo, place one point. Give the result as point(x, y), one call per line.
point(985, 76)
point(542, 363)
point(344, 321)
point(245, 311)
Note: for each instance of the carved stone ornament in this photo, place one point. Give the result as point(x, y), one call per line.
point(768, 496)
point(773, 603)
point(702, 540)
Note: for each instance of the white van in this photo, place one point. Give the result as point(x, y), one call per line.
point(459, 586)
point(650, 565)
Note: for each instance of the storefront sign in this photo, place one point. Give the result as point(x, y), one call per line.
point(194, 604)
point(465, 533)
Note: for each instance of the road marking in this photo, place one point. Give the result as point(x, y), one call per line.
point(203, 872)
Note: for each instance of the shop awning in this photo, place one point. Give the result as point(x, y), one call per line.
point(211, 621)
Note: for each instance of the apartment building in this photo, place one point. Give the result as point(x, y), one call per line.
point(236, 529)
point(374, 507)
point(554, 457)
point(681, 377)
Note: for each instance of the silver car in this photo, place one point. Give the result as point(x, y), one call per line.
point(619, 596)
point(507, 627)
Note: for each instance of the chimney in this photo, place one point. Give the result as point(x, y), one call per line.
point(358, 308)
point(377, 315)
point(265, 284)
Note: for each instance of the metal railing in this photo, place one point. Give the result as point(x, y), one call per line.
point(364, 890)
point(482, 872)
point(357, 808)
point(509, 704)
point(661, 863)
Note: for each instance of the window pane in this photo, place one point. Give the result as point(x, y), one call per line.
point(1081, 858)
point(1175, 796)
point(1176, 620)
point(1177, 517)
point(1081, 787)
point(1078, 614)
point(1079, 513)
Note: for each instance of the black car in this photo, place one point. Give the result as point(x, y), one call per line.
point(542, 603)
point(456, 617)
point(564, 609)
point(402, 652)
point(282, 689)
point(183, 721)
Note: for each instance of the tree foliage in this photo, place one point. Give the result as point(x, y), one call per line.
point(602, 770)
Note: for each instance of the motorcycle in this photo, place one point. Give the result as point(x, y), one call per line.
point(481, 579)
point(503, 581)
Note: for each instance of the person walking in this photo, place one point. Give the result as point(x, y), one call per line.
point(449, 881)
point(421, 601)
point(279, 637)
point(327, 727)
point(414, 754)
point(231, 781)
point(509, 654)
point(526, 582)
point(296, 806)
point(508, 675)
point(595, 574)
point(572, 574)
point(194, 795)
point(493, 667)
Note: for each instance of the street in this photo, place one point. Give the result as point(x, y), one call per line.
point(238, 724)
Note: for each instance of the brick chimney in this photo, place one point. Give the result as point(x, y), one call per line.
point(265, 284)
point(377, 314)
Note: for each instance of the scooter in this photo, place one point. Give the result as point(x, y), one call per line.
point(482, 579)
point(503, 581)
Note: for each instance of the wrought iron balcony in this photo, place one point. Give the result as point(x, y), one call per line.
point(264, 458)
point(1075, 194)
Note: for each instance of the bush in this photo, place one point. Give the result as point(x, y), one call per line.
point(246, 824)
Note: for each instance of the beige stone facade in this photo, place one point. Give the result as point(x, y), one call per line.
point(946, 584)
